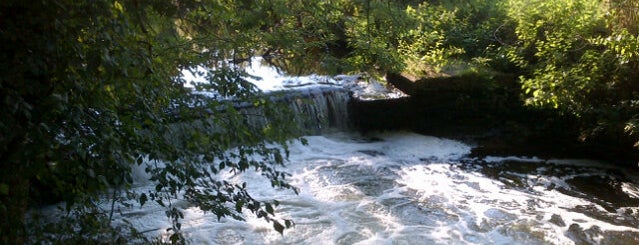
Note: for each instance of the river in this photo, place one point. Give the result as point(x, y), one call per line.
point(407, 188)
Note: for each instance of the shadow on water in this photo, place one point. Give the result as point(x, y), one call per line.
point(604, 193)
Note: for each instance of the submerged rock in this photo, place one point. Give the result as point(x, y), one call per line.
point(557, 220)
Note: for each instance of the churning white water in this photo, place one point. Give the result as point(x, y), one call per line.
point(405, 188)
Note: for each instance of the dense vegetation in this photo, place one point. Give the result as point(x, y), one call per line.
point(90, 89)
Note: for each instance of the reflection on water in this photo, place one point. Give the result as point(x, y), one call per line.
point(404, 188)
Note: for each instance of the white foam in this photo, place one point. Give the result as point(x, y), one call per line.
point(329, 207)
point(400, 188)
point(268, 79)
point(513, 158)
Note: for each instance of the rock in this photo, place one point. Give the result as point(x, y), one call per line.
point(557, 220)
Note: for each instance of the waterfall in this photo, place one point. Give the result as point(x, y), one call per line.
point(318, 103)
point(315, 110)
point(321, 108)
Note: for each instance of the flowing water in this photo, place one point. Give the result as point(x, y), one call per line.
point(405, 188)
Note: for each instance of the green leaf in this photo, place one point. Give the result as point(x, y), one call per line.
point(238, 205)
point(278, 227)
point(243, 164)
point(143, 199)
point(140, 160)
point(4, 189)
point(269, 209)
point(175, 237)
point(279, 159)
point(288, 223)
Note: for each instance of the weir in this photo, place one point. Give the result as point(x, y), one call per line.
point(320, 108)
point(316, 104)
point(392, 186)
point(315, 110)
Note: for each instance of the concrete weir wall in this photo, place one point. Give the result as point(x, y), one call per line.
point(489, 112)
point(437, 104)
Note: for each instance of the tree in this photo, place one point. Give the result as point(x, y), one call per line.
point(579, 57)
point(90, 88)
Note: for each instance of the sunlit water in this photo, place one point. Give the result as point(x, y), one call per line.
point(405, 188)
point(269, 79)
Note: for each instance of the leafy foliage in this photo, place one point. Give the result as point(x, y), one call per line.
point(575, 57)
point(450, 34)
point(90, 89)
point(578, 59)
point(552, 38)
point(93, 88)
